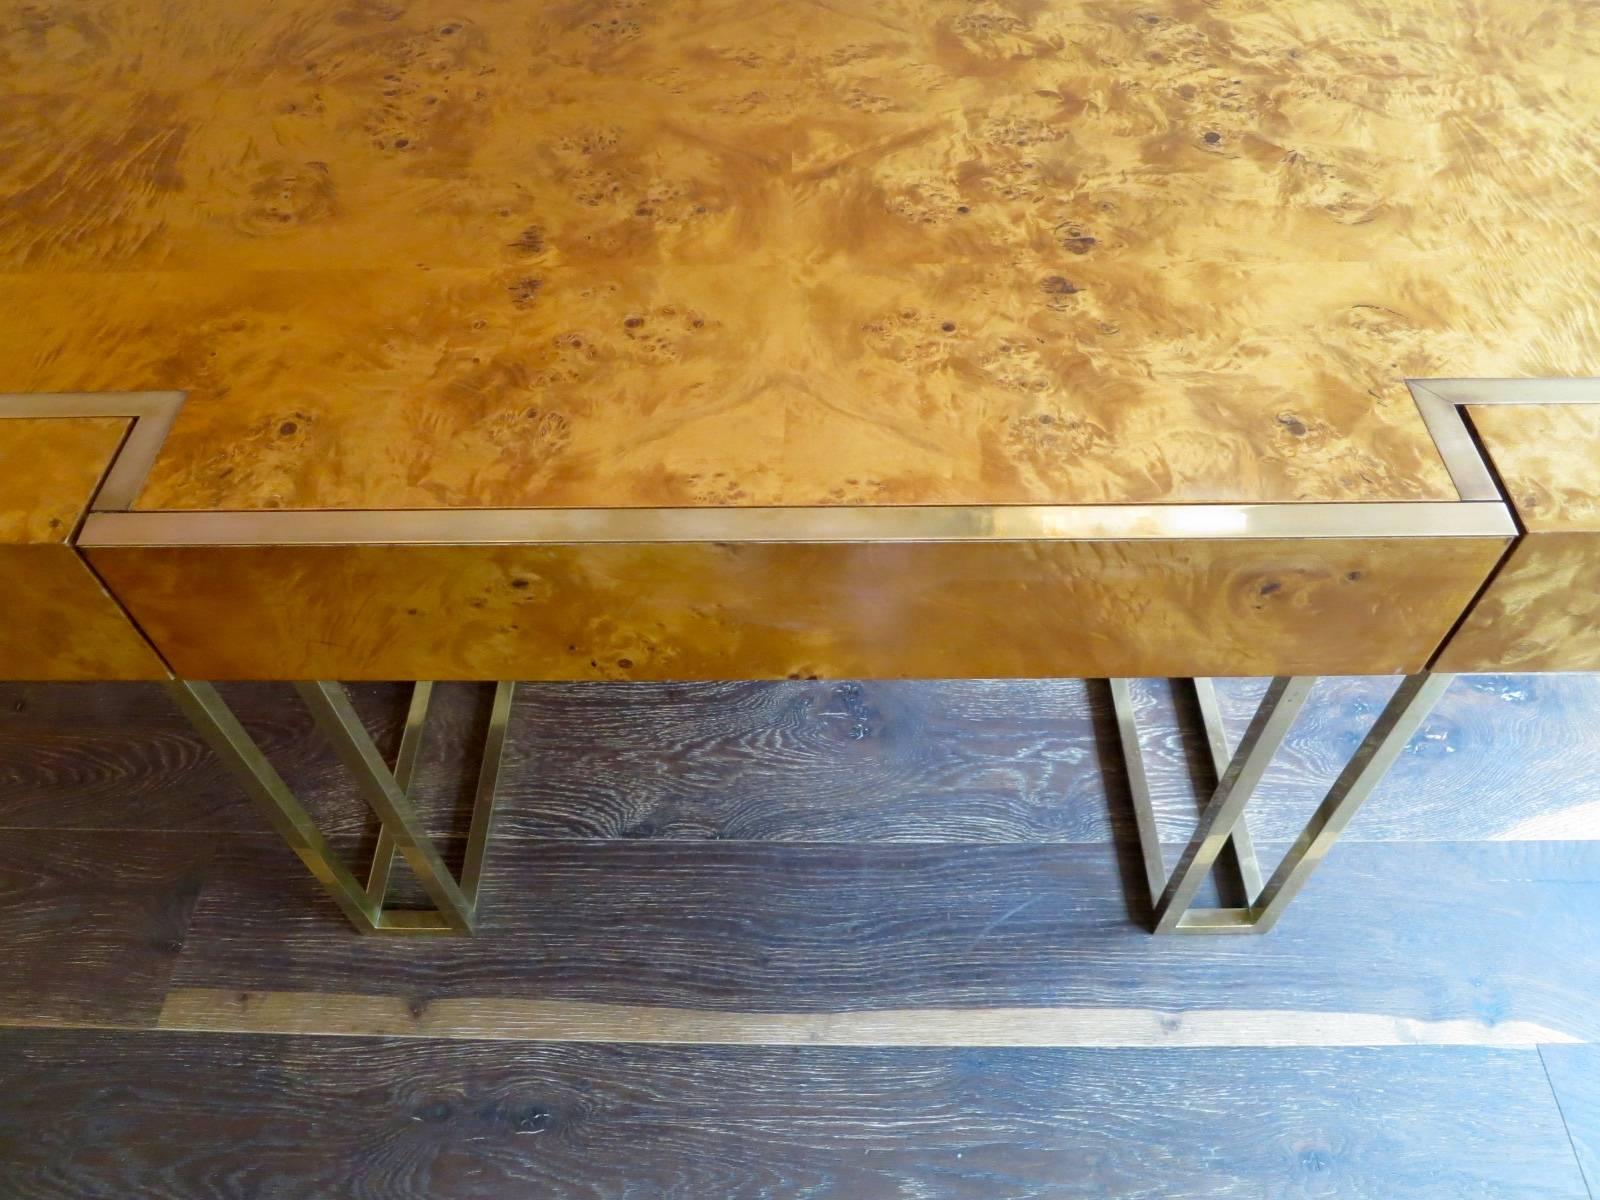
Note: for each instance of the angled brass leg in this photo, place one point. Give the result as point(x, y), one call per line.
point(1279, 707)
point(1400, 719)
point(1244, 850)
point(483, 810)
point(1222, 819)
point(1144, 812)
point(215, 722)
point(386, 792)
point(405, 763)
point(483, 807)
point(331, 709)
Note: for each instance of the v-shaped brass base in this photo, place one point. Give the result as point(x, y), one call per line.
point(387, 792)
point(1222, 821)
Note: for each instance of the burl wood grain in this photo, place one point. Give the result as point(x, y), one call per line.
point(56, 619)
point(49, 471)
point(1541, 612)
point(703, 252)
point(754, 610)
point(1548, 458)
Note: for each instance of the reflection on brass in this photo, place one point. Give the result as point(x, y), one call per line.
point(1222, 821)
point(509, 527)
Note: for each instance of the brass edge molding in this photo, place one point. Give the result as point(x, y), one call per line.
point(1481, 510)
point(877, 524)
point(1441, 401)
point(1443, 404)
point(152, 414)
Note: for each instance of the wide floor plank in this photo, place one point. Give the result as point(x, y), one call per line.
point(93, 923)
point(751, 928)
point(909, 761)
point(1501, 756)
point(1575, 1078)
point(105, 756)
point(218, 1117)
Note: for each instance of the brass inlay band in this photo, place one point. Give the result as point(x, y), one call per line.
point(877, 524)
point(1441, 400)
point(1481, 511)
point(152, 412)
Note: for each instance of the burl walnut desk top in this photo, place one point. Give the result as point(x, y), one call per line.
point(728, 339)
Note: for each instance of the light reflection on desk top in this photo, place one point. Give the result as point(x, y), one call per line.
point(741, 255)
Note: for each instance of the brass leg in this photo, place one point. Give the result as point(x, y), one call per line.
point(1242, 848)
point(1144, 812)
point(386, 792)
point(1222, 819)
point(405, 763)
point(215, 722)
point(1400, 719)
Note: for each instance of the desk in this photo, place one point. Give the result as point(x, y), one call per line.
point(704, 340)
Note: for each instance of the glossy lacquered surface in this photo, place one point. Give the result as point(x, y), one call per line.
point(56, 620)
point(1541, 612)
point(710, 253)
point(49, 470)
point(741, 611)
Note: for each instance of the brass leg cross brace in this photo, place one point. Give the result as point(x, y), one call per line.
point(1222, 822)
point(387, 792)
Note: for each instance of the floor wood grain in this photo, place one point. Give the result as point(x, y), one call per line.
point(93, 923)
point(942, 761)
point(1502, 756)
point(850, 941)
point(782, 928)
point(1575, 1079)
point(234, 1117)
point(121, 756)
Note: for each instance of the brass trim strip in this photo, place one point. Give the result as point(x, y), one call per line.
point(1514, 391)
point(1481, 511)
point(1468, 472)
point(1440, 402)
point(480, 527)
point(152, 414)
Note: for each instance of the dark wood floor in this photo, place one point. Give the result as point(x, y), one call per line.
point(801, 940)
